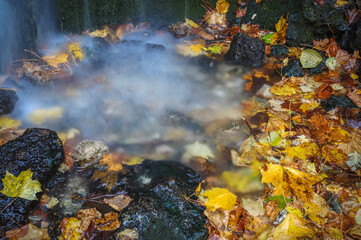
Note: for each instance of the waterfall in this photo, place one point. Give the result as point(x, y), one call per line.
point(87, 20)
point(7, 37)
point(44, 20)
point(186, 8)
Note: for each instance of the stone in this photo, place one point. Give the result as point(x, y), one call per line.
point(247, 51)
point(8, 100)
point(88, 152)
point(37, 149)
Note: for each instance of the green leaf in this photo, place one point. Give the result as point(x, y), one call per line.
point(215, 49)
point(22, 186)
point(267, 38)
point(280, 200)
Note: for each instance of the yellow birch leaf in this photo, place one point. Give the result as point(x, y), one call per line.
point(21, 186)
point(219, 198)
point(222, 6)
point(99, 33)
point(75, 49)
point(292, 227)
point(340, 3)
point(191, 23)
point(287, 180)
point(284, 90)
point(295, 211)
point(55, 60)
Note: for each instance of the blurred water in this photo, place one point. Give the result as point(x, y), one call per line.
point(7, 37)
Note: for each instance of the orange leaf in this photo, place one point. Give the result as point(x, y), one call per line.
point(110, 222)
point(222, 6)
point(333, 154)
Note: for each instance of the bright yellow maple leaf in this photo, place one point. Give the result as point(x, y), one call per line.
point(219, 198)
point(281, 28)
point(284, 90)
point(21, 186)
point(287, 180)
point(302, 151)
point(293, 227)
point(222, 6)
point(55, 60)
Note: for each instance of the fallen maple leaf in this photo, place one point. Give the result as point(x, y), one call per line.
point(302, 151)
point(281, 28)
point(191, 23)
point(21, 186)
point(287, 180)
point(333, 154)
point(28, 232)
point(283, 90)
point(293, 227)
point(75, 49)
point(71, 229)
point(219, 198)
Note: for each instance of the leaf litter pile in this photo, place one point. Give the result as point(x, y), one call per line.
point(295, 175)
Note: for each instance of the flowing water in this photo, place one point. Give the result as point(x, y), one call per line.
point(7, 37)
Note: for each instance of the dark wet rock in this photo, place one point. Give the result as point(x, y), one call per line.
point(293, 69)
point(352, 38)
point(247, 51)
point(178, 119)
point(154, 47)
point(307, 21)
point(8, 99)
point(159, 209)
point(180, 30)
point(37, 149)
point(279, 50)
point(333, 202)
point(337, 101)
point(88, 152)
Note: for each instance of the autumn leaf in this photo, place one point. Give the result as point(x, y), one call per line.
point(281, 28)
point(191, 23)
point(71, 229)
point(75, 49)
point(310, 58)
point(6, 122)
point(219, 198)
point(340, 3)
point(293, 227)
point(215, 49)
point(283, 90)
point(280, 200)
point(28, 232)
point(56, 60)
point(110, 222)
point(302, 151)
point(287, 180)
point(197, 48)
point(86, 216)
point(118, 202)
point(333, 154)
point(22, 186)
point(222, 6)
point(41, 115)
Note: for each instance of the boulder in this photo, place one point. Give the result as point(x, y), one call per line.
point(247, 51)
point(8, 99)
point(37, 149)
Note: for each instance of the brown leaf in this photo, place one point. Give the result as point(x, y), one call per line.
point(110, 222)
point(119, 202)
point(355, 97)
point(86, 216)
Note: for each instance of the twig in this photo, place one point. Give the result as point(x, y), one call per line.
point(254, 135)
point(8, 205)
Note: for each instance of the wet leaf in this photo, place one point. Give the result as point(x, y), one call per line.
point(302, 151)
point(56, 60)
point(281, 28)
point(28, 232)
point(333, 154)
point(253, 207)
point(197, 48)
point(280, 200)
point(119, 202)
point(197, 149)
point(283, 90)
point(331, 63)
point(39, 116)
point(110, 222)
point(21, 186)
point(293, 227)
point(340, 3)
point(222, 6)
point(219, 198)
point(75, 49)
point(215, 49)
point(310, 58)
point(268, 38)
point(191, 23)
point(287, 180)
point(71, 229)
point(6, 122)
point(86, 216)
point(354, 160)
